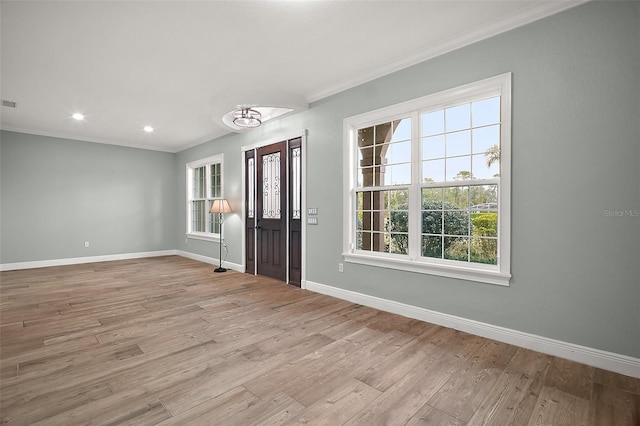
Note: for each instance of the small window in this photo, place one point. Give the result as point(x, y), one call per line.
point(427, 184)
point(204, 184)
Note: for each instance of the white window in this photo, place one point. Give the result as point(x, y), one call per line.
point(204, 184)
point(427, 184)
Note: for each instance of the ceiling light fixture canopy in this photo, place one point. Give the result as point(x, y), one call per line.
point(247, 117)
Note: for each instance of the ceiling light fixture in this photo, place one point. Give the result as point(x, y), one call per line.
point(77, 116)
point(247, 117)
point(148, 129)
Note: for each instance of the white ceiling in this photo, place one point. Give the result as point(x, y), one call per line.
point(179, 65)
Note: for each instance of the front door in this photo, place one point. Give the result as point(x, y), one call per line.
point(271, 211)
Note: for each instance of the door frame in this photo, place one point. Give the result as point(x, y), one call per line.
point(303, 214)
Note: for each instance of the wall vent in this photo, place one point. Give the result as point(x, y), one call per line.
point(9, 104)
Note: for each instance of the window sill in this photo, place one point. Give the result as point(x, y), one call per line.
point(402, 264)
point(204, 237)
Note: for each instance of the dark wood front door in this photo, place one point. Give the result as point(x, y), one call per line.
point(271, 211)
point(273, 176)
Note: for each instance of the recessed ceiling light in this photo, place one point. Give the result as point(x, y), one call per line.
point(78, 116)
point(148, 129)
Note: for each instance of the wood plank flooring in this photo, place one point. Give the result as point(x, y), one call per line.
point(166, 341)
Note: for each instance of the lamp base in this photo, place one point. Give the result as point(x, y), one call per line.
point(220, 270)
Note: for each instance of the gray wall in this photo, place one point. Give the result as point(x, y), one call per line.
point(59, 193)
point(576, 155)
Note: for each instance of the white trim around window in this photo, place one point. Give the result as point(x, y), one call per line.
point(204, 184)
point(394, 153)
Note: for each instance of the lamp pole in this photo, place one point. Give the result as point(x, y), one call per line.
point(220, 206)
point(220, 268)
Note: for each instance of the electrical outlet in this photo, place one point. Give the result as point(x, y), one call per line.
point(340, 267)
point(86, 244)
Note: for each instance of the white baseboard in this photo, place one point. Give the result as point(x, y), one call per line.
point(110, 257)
point(211, 260)
point(80, 260)
point(621, 364)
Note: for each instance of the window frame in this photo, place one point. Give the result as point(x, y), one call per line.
point(493, 274)
point(190, 168)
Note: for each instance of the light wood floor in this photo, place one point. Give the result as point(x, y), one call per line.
point(166, 341)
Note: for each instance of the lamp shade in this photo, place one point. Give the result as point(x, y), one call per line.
point(220, 206)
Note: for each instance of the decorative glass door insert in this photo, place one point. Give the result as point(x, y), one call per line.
point(271, 186)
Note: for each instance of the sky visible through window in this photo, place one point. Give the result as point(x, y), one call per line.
point(456, 144)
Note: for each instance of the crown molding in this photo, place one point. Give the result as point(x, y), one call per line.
point(536, 12)
point(85, 139)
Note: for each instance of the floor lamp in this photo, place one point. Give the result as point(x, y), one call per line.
point(220, 206)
